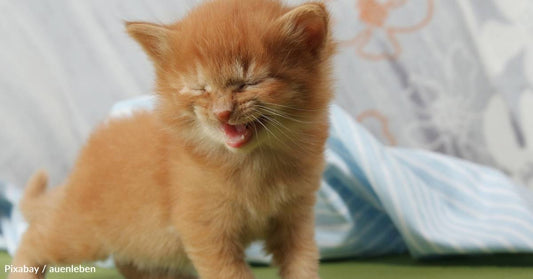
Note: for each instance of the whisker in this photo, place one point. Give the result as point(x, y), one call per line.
point(276, 124)
point(299, 143)
point(268, 131)
point(281, 114)
point(255, 133)
point(290, 107)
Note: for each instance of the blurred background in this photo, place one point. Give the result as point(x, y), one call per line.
point(452, 76)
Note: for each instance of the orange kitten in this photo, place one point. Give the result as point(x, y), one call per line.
point(233, 153)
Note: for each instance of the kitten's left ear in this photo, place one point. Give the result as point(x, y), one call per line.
point(154, 38)
point(306, 25)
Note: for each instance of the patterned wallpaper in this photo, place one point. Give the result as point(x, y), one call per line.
point(448, 76)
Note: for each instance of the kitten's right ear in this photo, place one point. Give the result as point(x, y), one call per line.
point(306, 26)
point(154, 38)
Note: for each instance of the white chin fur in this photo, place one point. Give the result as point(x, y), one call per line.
point(249, 146)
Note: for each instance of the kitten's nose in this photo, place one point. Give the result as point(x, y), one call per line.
point(223, 115)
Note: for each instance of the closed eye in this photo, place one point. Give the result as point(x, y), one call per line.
point(194, 90)
point(252, 83)
point(242, 86)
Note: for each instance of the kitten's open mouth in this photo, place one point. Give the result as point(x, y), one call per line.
point(240, 134)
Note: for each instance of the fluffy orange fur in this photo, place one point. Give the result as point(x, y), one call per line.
point(232, 153)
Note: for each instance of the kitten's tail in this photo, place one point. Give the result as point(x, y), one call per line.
point(32, 195)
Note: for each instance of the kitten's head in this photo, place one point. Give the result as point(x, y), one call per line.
point(242, 74)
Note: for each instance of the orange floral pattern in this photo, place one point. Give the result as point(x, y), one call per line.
point(385, 129)
point(374, 15)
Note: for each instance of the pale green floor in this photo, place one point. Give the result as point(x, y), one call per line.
point(394, 267)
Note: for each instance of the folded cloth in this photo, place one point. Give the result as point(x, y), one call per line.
point(378, 200)
point(428, 203)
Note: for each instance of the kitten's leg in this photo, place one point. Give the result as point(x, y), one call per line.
point(219, 259)
point(45, 243)
point(217, 252)
point(130, 271)
point(291, 241)
point(29, 254)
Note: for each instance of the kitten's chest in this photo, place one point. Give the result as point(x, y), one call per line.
point(260, 202)
point(265, 190)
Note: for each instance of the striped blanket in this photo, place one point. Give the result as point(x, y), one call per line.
point(391, 199)
point(377, 200)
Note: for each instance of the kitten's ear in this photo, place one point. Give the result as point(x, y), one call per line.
point(306, 26)
point(154, 38)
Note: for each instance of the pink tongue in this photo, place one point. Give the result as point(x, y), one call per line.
point(236, 135)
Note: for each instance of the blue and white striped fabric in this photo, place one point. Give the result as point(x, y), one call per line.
point(377, 200)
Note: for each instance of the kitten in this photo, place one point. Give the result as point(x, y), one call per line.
point(232, 153)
